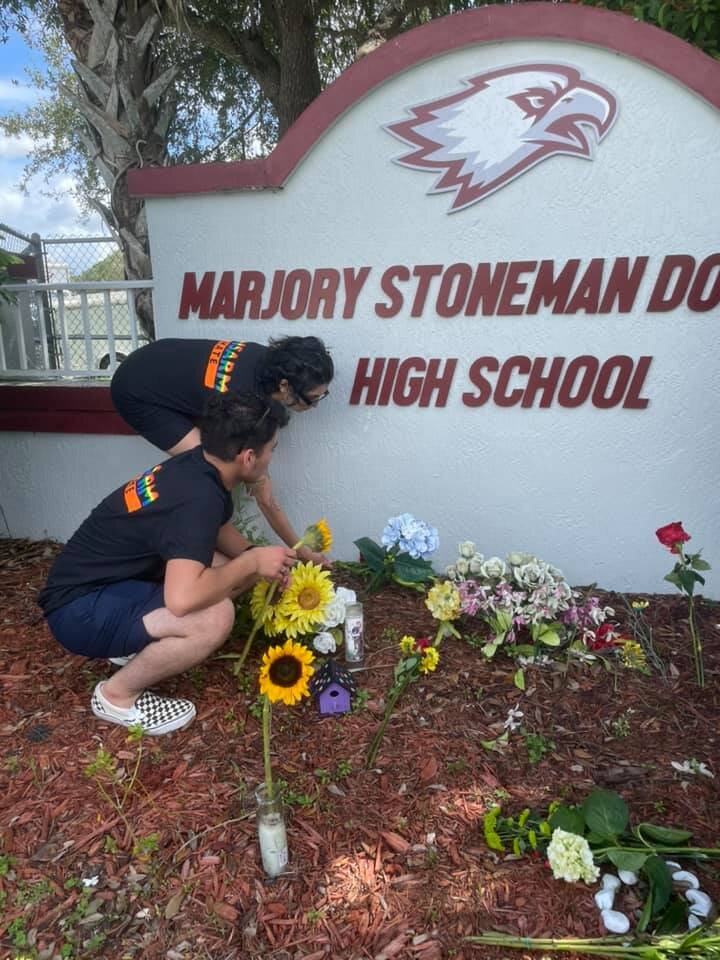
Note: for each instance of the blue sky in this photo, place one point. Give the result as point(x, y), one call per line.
point(34, 212)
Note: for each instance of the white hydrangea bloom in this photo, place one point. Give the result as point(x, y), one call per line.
point(570, 857)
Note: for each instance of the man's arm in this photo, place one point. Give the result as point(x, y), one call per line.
point(191, 586)
point(231, 542)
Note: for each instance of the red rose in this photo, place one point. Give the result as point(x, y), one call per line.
point(422, 643)
point(672, 535)
point(605, 636)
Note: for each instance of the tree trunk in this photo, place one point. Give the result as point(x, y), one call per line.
point(122, 92)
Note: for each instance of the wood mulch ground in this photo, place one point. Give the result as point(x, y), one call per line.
point(385, 863)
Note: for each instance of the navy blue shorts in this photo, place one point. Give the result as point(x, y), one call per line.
point(109, 621)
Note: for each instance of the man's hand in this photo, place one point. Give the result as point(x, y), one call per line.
point(310, 556)
point(274, 563)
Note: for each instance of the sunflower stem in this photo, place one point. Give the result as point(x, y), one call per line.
point(393, 698)
point(255, 627)
point(266, 723)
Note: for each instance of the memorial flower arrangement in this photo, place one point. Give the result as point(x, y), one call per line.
point(576, 839)
point(527, 604)
point(685, 576)
point(302, 604)
point(418, 657)
point(401, 556)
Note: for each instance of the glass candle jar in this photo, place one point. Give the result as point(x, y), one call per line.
point(354, 639)
point(271, 830)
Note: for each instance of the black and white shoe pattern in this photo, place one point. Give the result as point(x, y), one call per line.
point(155, 714)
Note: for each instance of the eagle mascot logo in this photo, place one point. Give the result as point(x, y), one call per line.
point(501, 124)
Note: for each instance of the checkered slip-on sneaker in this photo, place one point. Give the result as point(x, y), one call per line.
point(156, 714)
point(121, 661)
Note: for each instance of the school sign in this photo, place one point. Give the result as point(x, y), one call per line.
point(504, 226)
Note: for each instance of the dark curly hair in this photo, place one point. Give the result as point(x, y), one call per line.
point(233, 422)
point(303, 361)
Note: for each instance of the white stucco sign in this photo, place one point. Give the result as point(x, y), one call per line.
point(504, 226)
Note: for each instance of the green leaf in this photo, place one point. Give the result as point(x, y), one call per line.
point(373, 554)
point(698, 563)
point(414, 571)
point(519, 679)
point(489, 649)
point(569, 819)
point(605, 813)
point(674, 920)
point(671, 836)
point(647, 912)
point(627, 859)
point(673, 578)
point(687, 581)
point(656, 870)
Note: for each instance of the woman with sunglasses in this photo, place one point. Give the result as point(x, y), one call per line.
point(160, 391)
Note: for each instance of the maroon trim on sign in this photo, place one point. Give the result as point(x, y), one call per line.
point(50, 409)
point(549, 21)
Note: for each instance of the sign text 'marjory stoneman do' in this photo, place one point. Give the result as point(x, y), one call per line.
point(481, 290)
point(504, 226)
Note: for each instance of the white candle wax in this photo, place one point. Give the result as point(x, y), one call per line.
point(273, 845)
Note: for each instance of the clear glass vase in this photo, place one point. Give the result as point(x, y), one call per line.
point(271, 830)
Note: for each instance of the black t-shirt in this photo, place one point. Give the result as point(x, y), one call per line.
point(181, 374)
point(171, 512)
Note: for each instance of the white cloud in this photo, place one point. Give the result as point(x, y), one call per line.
point(11, 147)
point(34, 212)
point(16, 93)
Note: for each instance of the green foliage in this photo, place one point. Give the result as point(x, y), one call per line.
point(384, 566)
point(109, 268)
point(697, 21)
point(537, 746)
point(6, 259)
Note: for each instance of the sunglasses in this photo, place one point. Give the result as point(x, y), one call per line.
point(312, 401)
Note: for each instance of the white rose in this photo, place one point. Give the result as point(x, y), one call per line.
point(462, 566)
point(476, 563)
point(466, 549)
point(324, 643)
point(493, 568)
point(517, 559)
point(347, 596)
point(335, 612)
point(451, 572)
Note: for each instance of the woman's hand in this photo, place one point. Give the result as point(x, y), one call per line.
point(311, 556)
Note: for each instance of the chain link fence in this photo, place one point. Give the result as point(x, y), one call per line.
point(82, 329)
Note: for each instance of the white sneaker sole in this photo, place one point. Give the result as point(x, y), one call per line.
point(155, 714)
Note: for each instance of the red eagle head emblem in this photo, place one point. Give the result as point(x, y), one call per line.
point(501, 124)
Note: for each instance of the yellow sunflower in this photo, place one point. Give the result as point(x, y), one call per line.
point(317, 537)
point(285, 672)
point(258, 608)
point(305, 599)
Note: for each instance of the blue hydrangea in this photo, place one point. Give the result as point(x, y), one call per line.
point(410, 535)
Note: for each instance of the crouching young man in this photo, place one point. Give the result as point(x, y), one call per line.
point(137, 578)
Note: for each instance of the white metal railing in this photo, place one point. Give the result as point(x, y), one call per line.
point(59, 330)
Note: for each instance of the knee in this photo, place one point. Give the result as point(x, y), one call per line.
point(218, 621)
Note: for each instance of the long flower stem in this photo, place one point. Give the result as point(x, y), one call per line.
point(697, 644)
point(393, 698)
point(240, 661)
point(266, 723)
point(699, 852)
point(255, 627)
point(653, 949)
